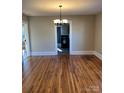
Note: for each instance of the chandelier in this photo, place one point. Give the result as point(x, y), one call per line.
point(60, 21)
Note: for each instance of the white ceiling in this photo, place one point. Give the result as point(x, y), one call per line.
point(70, 7)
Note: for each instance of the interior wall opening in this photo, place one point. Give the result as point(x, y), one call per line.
point(63, 42)
point(25, 42)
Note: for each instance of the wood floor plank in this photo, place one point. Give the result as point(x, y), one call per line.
point(62, 74)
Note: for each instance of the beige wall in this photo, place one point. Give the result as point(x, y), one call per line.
point(42, 33)
point(82, 33)
point(98, 33)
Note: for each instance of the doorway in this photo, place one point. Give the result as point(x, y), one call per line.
point(63, 41)
point(25, 42)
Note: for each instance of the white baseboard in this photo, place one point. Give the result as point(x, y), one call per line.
point(82, 52)
point(98, 55)
point(43, 53)
point(71, 53)
point(86, 53)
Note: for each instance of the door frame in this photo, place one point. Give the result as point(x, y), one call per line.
point(27, 32)
point(70, 37)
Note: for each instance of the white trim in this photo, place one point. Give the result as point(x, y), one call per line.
point(98, 55)
point(56, 38)
point(43, 53)
point(86, 53)
point(71, 53)
point(82, 52)
point(70, 36)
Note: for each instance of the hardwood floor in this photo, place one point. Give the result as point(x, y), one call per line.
point(62, 74)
